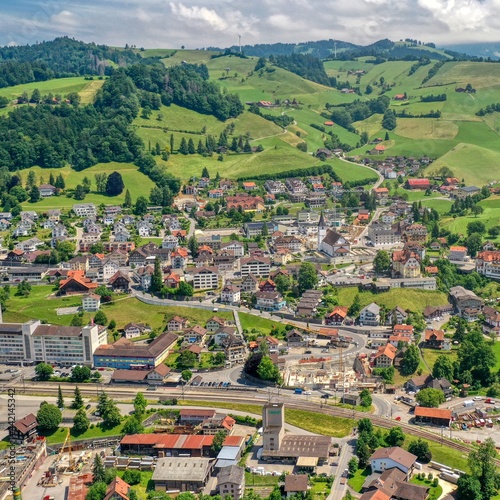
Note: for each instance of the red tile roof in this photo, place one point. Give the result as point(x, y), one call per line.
point(422, 411)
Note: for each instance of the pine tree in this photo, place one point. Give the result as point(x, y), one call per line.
point(191, 148)
point(78, 400)
point(205, 174)
point(128, 199)
point(51, 179)
point(98, 470)
point(60, 399)
point(183, 148)
point(201, 149)
point(60, 184)
point(171, 143)
point(157, 278)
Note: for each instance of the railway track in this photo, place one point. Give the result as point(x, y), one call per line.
point(256, 398)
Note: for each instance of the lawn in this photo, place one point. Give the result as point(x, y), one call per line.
point(434, 491)
point(445, 455)
point(42, 304)
point(250, 322)
point(59, 435)
point(496, 350)
point(414, 300)
point(61, 86)
point(430, 355)
point(356, 481)
point(252, 480)
point(144, 486)
point(308, 420)
point(136, 182)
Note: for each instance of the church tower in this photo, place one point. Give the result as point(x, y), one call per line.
point(321, 230)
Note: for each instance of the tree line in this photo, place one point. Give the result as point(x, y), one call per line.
point(60, 58)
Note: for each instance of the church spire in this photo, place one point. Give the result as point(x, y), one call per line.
point(321, 222)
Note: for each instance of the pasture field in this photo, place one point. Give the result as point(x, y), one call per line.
point(136, 182)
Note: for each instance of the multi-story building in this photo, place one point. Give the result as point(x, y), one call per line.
point(269, 301)
point(204, 278)
point(406, 264)
point(231, 482)
point(488, 264)
point(63, 345)
point(383, 234)
point(85, 209)
point(370, 315)
point(258, 266)
point(125, 354)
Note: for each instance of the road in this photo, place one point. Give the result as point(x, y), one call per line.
point(348, 448)
point(376, 172)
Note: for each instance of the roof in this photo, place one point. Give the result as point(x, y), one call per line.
point(162, 370)
point(57, 331)
point(231, 474)
point(396, 454)
point(458, 249)
point(388, 350)
point(418, 182)
point(296, 482)
point(439, 334)
point(181, 469)
point(375, 495)
point(187, 412)
point(302, 446)
point(130, 375)
point(340, 310)
point(24, 425)
point(117, 487)
point(422, 411)
point(233, 441)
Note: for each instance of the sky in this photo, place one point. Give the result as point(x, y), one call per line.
point(200, 23)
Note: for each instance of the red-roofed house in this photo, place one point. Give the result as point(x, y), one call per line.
point(76, 282)
point(337, 316)
point(117, 490)
point(384, 356)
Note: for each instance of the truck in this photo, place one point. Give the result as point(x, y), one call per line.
point(298, 391)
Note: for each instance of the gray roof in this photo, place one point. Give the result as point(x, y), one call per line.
point(181, 469)
point(228, 453)
point(373, 308)
point(231, 474)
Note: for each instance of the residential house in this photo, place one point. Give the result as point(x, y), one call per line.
point(250, 283)
point(177, 323)
point(196, 335)
point(224, 335)
point(179, 258)
point(388, 217)
point(269, 301)
point(231, 294)
point(337, 316)
point(295, 338)
point(247, 203)
point(23, 430)
point(292, 243)
point(118, 489)
point(370, 315)
point(133, 330)
point(236, 247)
point(108, 269)
point(172, 280)
point(396, 316)
point(296, 484)
point(170, 242)
point(457, 253)
point(145, 276)
point(253, 229)
point(393, 457)
point(464, 192)
point(415, 233)
point(85, 210)
point(384, 357)
point(231, 482)
point(215, 323)
point(46, 190)
point(491, 320)
point(158, 375)
point(120, 282)
point(434, 339)
point(91, 302)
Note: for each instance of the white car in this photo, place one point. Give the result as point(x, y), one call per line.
point(477, 398)
point(307, 393)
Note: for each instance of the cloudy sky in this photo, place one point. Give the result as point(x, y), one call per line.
point(200, 23)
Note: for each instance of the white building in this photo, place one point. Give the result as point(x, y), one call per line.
point(204, 278)
point(62, 345)
point(258, 266)
point(85, 209)
point(91, 302)
point(370, 315)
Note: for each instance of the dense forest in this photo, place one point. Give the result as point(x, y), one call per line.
point(62, 57)
point(345, 114)
point(306, 66)
point(186, 85)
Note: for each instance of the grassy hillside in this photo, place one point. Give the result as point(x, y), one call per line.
point(135, 181)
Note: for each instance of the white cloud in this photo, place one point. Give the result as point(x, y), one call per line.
point(199, 15)
point(65, 19)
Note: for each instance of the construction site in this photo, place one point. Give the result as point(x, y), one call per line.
point(332, 370)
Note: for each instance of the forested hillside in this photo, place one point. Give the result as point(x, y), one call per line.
point(59, 58)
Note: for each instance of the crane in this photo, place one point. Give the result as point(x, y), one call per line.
point(67, 442)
